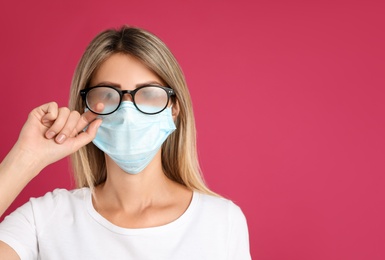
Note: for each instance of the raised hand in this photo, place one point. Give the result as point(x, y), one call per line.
point(52, 133)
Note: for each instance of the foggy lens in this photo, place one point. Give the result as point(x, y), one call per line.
point(151, 99)
point(103, 100)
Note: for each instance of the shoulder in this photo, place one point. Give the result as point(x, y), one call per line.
point(217, 203)
point(59, 200)
point(59, 196)
point(220, 207)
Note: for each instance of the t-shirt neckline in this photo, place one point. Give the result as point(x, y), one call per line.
point(140, 231)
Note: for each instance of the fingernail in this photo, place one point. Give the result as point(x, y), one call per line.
point(97, 124)
point(60, 138)
point(50, 134)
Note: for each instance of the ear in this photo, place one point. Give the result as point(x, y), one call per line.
point(175, 110)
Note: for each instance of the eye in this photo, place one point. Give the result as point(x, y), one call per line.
point(107, 95)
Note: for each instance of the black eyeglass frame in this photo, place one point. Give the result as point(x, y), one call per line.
point(83, 93)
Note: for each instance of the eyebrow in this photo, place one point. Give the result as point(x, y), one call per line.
point(108, 83)
point(149, 83)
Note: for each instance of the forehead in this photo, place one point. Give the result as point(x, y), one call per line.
point(124, 70)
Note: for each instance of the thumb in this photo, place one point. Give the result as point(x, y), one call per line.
point(87, 136)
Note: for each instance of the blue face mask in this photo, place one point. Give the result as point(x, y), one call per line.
point(132, 138)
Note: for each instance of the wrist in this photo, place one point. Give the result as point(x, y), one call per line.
point(21, 162)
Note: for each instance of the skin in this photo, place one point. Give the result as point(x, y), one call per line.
point(147, 199)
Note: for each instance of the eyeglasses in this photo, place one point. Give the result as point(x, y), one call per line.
point(149, 99)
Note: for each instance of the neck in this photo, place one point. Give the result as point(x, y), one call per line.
point(134, 191)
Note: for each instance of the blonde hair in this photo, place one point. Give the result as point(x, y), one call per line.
point(179, 154)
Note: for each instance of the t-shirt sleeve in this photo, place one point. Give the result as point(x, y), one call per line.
point(239, 247)
point(19, 232)
point(21, 229)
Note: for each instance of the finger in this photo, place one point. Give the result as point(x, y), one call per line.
point(87, 136)
point(86, 118)
point(69, 127)
point(59, 122)
point(48, 113)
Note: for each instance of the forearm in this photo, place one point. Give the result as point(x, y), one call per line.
point(16, 170)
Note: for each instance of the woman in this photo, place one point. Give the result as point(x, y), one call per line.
point(140, 195)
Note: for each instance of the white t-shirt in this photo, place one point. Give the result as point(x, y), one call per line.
point(64, 225)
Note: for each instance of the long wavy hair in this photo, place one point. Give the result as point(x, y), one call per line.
point(179, 153)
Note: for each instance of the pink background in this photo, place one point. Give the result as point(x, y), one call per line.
point(288, 96)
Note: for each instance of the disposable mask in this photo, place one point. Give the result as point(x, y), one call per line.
point(132, 138)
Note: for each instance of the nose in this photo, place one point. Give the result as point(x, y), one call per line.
point(127, 97)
